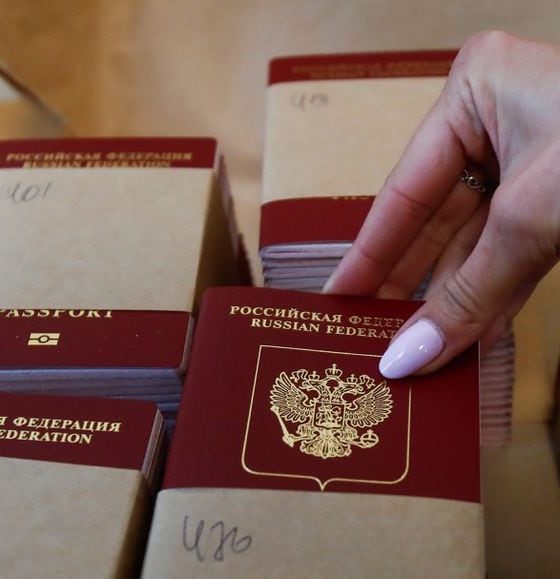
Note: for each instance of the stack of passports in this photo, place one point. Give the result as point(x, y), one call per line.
point(124, 353)
point(106, 246)
point(336, 126)
point(293, 456)
point(77, 477)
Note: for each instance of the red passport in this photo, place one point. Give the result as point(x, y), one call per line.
point(284, 395)
point(284, 391)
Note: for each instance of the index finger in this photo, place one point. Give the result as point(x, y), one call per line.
point(427, 171)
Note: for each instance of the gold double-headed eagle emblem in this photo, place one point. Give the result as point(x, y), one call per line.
point(333, 414)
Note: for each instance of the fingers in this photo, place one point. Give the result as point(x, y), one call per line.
point(461, 126)
point(452, 133)
point(512, 253)
point(455, 255)
point(493, 258)
point(414, 191)
point(456, 210)
point(459, 248)
point(453, 258)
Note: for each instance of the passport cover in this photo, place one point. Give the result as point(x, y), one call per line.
point(90, 339)
point(284, 395)
point(75, 477)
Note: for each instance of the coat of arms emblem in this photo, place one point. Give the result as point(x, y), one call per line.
point(333, 414)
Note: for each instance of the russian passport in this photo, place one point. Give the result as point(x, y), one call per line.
point(294, 456)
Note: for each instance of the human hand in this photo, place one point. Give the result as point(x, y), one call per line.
point(498, 116)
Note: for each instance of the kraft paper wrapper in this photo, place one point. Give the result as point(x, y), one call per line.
point(118, 238)
point(537, 352)
point(346, 143)
point(522, 505)
point(65, 520)
point(312, 535)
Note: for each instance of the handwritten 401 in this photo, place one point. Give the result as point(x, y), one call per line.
point(213, 541)
point(23, 193)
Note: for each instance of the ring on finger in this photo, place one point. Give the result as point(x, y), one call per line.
point(473, 182)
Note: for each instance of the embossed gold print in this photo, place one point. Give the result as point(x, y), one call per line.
point(334, 414)
point(43, 339)
point(249, 467)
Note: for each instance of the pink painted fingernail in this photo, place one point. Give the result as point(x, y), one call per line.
point(413, 349)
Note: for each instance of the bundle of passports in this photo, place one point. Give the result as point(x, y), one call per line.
point(106, 246)
point(294, 457)
point(336, 126)
point(77, 480)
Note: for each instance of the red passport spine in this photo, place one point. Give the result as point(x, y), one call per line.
point(313, 220)
point(360, 65)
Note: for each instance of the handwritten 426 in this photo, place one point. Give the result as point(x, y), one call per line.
point(213, 541)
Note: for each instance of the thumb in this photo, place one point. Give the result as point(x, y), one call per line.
point(509, 253)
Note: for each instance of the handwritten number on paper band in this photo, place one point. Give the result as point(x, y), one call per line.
point(22, 193)
point(308, 101)
point(217, 536)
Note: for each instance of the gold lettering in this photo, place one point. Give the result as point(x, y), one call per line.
point(56, 313)
point(292, 325)
point(360, 332)
point(76, 313)
point(99, 159)
point(26, 428)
